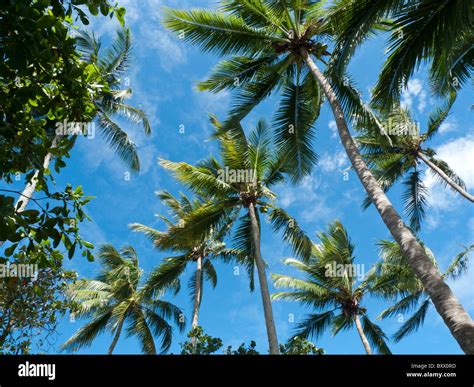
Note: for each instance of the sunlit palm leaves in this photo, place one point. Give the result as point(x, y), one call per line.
point(395, 153)
point(208, 248)
point(335, 296)
point(116, 299)
point(254, 157)
point(262, 40)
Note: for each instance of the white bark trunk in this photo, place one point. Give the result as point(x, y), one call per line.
point(197, 296)
point(363, 338)
point(30, 188)
point(262, 277)
point(454, 315)
point(197, 301)
point(116, 337)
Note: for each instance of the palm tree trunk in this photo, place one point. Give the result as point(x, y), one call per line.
point(445, 177)
point(448, 306)
point(363, 338)
point(262, 277)
point(116, 337)
point(197, 296)
point(197, 300)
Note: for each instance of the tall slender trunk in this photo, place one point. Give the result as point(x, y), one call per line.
point(455, 317)
point(363, 338)
point(262, 277)
point(116, 336)
point(445, 177)
point(197, 296)
point(197, 300)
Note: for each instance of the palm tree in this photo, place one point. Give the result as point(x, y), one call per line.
point(399, 283)
point(331, 288)
point(238, 188)
point(400, 151)
point(111, 102)
point(113, 65)
point(116, 298)
point(273, 45)
point(438, 31)
point(201, 253)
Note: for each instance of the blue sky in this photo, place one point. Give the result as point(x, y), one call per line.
point(163, 77)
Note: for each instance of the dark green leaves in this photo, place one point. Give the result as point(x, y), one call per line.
point(299, 108)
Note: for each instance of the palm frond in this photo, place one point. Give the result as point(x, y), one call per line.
point(118, 141)
point(133, 114)
point(415, 199)
point(138, 326)
point(84, 337)
point(438, 116)
point(201, 180)
point(166, 275)
point(88, 45)
point(218, 32)
point(116, 60)
point(249, 95)
point(292, 233)
point(235, 72)
point(424, 29)
point(293, 123)
point(448, 171)
point(209, 272)
point(453, 68)
point(403, 306)
point(459, 265)
point(414, 322)
point(314, 325)
point(342, 322)
point(159, 327)
point(375, 336)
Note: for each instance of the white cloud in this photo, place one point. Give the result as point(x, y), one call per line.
point(447, 126)
point(333, 126)
point(414, 92)
point(167, 49)
point(459, 155)
point(336, 162)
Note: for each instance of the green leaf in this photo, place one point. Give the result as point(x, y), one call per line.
point(120, 14)
point(10, 250)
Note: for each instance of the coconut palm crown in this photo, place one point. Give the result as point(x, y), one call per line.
point(111, 103)
point(200, 253)
point(398, 283)
point(116, 299)
point(331, 289)
point(398, 152)
point(238, 187)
